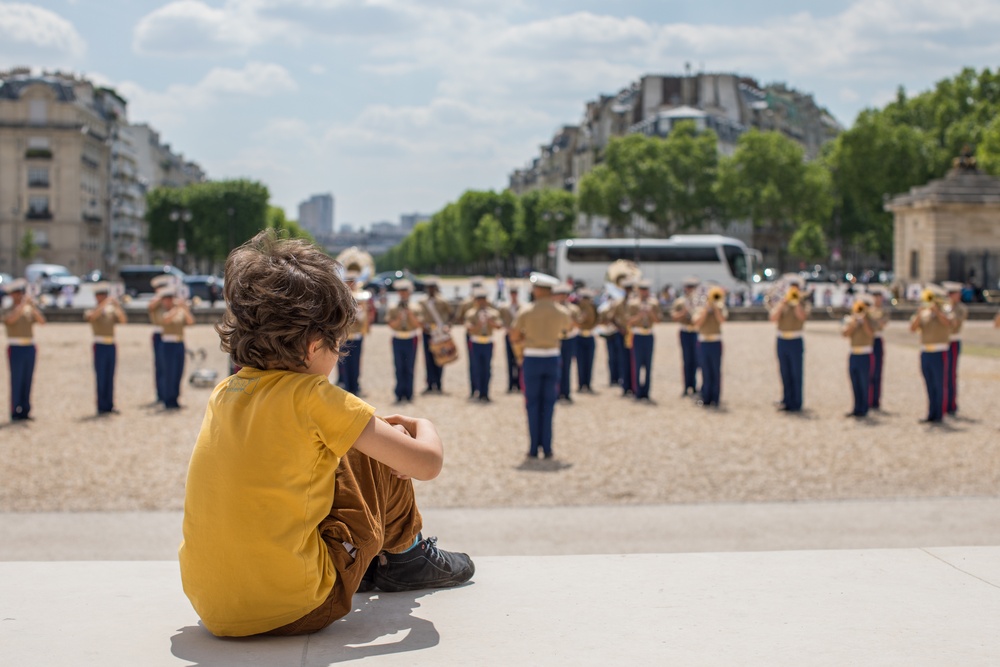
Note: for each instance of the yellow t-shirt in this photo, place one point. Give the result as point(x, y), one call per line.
point(260, 481)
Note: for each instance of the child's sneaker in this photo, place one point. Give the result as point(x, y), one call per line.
point(423, 566)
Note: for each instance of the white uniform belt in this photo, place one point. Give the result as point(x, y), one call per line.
point(709, 338)
point(541, 352)
point(955, 337)
point(862, 349)
point(157, 330)
point(104, 340)
point(789, 335)
point(482, 339)
point(171, 338)
point(935, 347)
point(641, 331)
point(355, 336)
point(586, 333)
point(689, 328)
point(20, 341)
point(878, 335)
point(405, 335)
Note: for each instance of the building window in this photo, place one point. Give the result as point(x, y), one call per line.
point(914, 263)
point(38, 177)
point(38, 208)
point(41, 238)
point(38, 142)
point(38, 112)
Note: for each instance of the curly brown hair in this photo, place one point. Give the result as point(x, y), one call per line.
point(281, 295)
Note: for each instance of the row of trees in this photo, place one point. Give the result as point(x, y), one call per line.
point(799, 209)
point(212, 218)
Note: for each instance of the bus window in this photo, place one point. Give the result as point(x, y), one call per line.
point(737, 262)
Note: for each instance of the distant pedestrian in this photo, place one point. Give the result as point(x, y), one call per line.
point(103, 318)
point(20, 320)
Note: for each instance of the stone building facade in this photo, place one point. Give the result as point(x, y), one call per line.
point(948, 229)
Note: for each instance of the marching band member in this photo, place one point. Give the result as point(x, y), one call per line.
point(434, 313)
point(103, 318)
point(508, 313)
point(176, 315)
point(642, 313)
point(567, 340)
point(958, 313)
point(681, 312)
point(481, 321)
point(935, 327)
point(156, 311)
point(537, 327)
point(790, 315)
point(620, 319)
point(349, 360)
point(463, 309)
point(708, 320)
point(585, 344)
point(405, 327)
point(860, 328)
point(880, 319)
point(21, 352)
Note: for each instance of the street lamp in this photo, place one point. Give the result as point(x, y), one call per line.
point(180, 216)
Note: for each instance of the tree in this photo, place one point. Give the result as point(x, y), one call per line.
point(767, 180)
point(27, 248)
point(809, 242)
point(276, 219)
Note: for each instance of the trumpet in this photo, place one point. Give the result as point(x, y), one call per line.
point(716, 296)
point(859, 307)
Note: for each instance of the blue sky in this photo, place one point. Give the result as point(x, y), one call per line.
point(397, 106)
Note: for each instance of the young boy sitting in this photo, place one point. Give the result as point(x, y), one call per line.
point(297, 496)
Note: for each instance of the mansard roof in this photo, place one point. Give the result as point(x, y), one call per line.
point(12, 88)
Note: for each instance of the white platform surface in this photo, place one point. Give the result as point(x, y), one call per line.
point(938, 606)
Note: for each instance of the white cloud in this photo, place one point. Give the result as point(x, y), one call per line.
point(32, 35)
point(193, 28)
point(172, 106)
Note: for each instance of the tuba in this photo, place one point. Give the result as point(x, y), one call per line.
point(621, 269)
point(359, 261)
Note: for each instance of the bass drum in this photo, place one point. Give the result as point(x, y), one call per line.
point(443, 349)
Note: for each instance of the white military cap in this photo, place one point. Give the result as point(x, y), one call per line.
point(18, 285)
point(561, 288)
point(691, 281)
point(951, 286)
point(161, 281)
point(166, 291)
point(645, 284)
point(102, 287)
point(431, 281)
point(403, 284)
point(479, 293)
point(543, 280)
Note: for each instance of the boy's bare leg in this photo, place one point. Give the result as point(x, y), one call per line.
point(373, 511)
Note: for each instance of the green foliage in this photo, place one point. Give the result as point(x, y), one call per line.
point(276, 219)
point(809, 242)
point(27, 247)
point(224, 214)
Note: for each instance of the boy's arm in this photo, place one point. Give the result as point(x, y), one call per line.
point(417, 453)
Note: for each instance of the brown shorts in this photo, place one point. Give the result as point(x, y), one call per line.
point(374, 511)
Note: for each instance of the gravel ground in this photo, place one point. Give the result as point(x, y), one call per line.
point(609, 450)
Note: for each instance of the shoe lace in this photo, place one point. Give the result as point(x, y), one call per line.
point(428, 545)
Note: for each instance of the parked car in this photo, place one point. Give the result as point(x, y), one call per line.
point(51, 278)
point(202, 286)
point(94, 276)
point(387, 280)
point(137, 278)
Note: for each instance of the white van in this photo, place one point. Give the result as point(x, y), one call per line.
point(51, 278)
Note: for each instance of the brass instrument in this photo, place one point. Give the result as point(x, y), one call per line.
point(358, 261)
point(621, 269)
point(717, 296)
point(859, 307)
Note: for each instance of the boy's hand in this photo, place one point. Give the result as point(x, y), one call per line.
point(404, 424)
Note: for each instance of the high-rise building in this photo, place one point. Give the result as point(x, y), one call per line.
point(316, 216)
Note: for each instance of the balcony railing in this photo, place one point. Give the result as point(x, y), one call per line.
point(92, 218)
point(89, 161)
point(39, 153)
point(42, 214)
point(38, 183)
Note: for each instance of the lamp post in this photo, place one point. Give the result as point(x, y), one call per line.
point(180, 216)
point(625, 206)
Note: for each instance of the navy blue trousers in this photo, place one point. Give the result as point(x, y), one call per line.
point(790, 356)
point(626, 368)
point(158, 368)
point(710, 361)
point(951, 398)
point(513, 368)
point(689, 359)
point(434, 372)
point(21, 359)
point(105, 359)
point(642, 364)
point(173, 372)
point(878, 357)
point(859, 367)
point(349, 366)
point(934, 365)
point(615, 351)
point(404, 354)
point(481, 359)
point(585, 347)
point(541, 385)
point(567, 351)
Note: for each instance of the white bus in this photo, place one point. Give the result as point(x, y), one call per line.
point(709, 257)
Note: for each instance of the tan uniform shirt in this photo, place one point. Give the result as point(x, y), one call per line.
point(360, 326)
point(574, 314)
point(22, 326)
point(508, 313)
point(464, 307)
point(588, 316)
point(427, 319)
point(959, 313)
point(174, 322)
point(647, 309)
point(681, 309)
point(541, 322)
point(404, 327)
point(789, 321)
point(932, 330)
point(480, 323)
point(711, 327)
point(619, 313)
point(880, 319)
point(860, 338)
point(103, 325)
